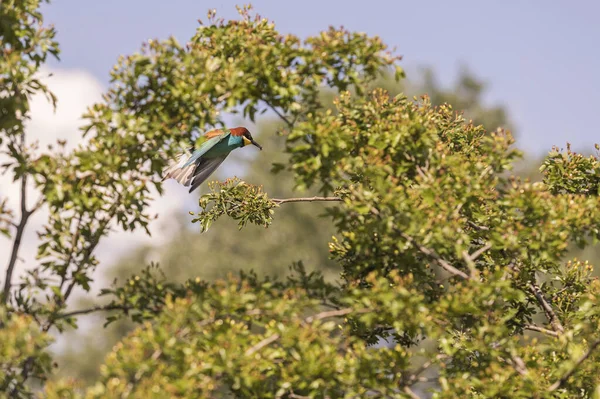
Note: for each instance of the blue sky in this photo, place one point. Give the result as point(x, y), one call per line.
point(537, 56)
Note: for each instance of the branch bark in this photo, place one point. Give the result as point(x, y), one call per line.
point(306, 199)
point(554, 320)
point(25, 214)
point(411, 393)
point(269, 340)
point(532, 327)
point(98, 308)
point(479, 252)
point(478, 227)
point(519, 365)
point(327, 314)
point(432, 254)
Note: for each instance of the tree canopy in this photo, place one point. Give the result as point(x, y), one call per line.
point(298, 235)
point(453, 262)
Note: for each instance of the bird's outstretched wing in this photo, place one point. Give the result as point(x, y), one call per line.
point(204, 168)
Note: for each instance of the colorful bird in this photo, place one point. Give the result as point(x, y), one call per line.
point(193, 168)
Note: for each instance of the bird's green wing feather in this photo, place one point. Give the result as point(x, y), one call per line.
point(205, 147)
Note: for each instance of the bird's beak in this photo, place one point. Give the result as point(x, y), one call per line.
point(256, 144)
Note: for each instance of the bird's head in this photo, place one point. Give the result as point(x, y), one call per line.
point(246, 136)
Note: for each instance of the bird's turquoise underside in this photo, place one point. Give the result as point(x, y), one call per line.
point(224, 147)
point(216, 147)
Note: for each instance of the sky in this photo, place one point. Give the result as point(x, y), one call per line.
point(537, 57)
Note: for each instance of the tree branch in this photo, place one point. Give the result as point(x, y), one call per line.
point(38, 204)
point(262, 344)
point(432, 254)
point(329, 313)
point(74, 240)
point(479, 252)
point(25, 214)
point(414, 377)
point(554, 321)
point(470, 259)
point(307, 199)
point(478, 227)
point(519, 365)
point(411, 393)
point(573, 370)
point(532, 327)
point(98, 308)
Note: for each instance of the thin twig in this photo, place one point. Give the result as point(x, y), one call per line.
point(470, 259)
point(554, 321)
point(411, 393)
point(307, 199)
point(98, 308)
point(432, 254)
point(477, 226)
point(470, 264)
point(421, 173)
point(480, 251)
point(519, 365)
point(416, 374)
point(541, 330)
point(38, 204)
point(27, 365)
point(74, 240)
point(329, 313)
point(280, 115)
point(262, 344)
point(573, 370)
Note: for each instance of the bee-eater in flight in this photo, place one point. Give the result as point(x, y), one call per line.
point(193, 169)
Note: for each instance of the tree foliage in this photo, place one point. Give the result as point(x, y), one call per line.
point(426, 195)
point(22, 343)
point(457, 265)
point(266, 251)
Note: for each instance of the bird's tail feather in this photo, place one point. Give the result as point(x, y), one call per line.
point(175, 170)
point(193, 174)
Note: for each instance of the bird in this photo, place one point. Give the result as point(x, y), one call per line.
point(193, 167)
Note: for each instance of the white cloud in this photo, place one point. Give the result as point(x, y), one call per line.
point(76, 90)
